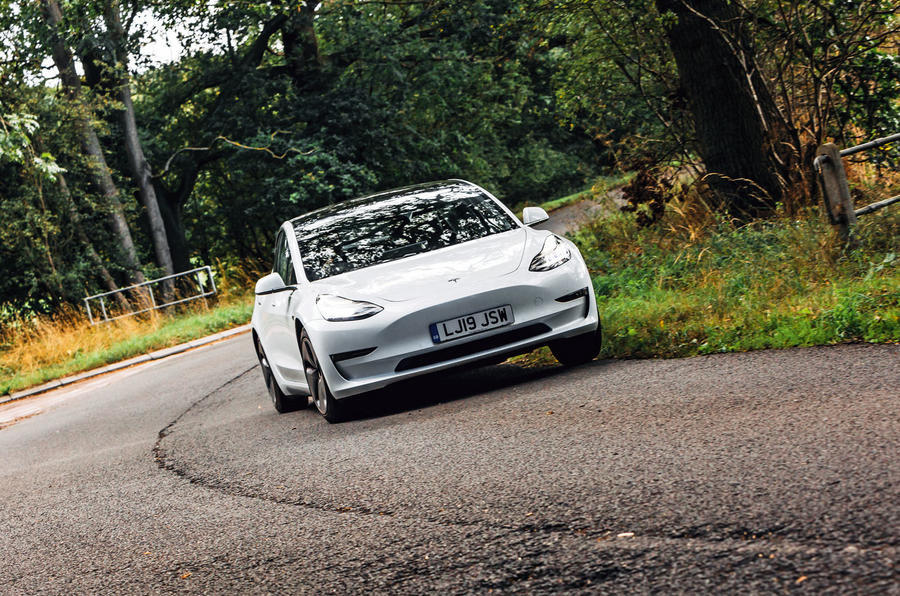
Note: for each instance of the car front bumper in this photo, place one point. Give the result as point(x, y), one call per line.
point(402, 342)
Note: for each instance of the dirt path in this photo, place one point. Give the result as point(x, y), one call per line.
point(571, 217)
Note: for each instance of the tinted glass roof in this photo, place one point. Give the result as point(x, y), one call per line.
point(372, 200)
point(394, 225)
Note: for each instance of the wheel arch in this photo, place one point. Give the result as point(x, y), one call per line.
point(298, 329)
point(257, 342)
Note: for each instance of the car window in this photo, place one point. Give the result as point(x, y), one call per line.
point(288, 274)
point(282, 260)
point(363, 233)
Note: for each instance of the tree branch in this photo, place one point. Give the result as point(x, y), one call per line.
point(226, 140)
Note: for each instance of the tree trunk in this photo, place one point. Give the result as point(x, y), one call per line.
point(140, 169)
point(735, 118)
point(301, 47)
point(62, 57)
point(142, 177)
point(92, 254)
point(171, 206)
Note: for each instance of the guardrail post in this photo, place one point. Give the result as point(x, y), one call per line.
point(212, 280)
point(835, 190)
point(201, 291)
point(143, 291)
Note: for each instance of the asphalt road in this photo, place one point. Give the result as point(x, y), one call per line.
point(759, 472)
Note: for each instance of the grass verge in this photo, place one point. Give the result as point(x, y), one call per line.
point(679, 290)
point(60, 347)
point(673, 290)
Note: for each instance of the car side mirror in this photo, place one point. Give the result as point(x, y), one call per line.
point(533, 215)
point(270, 284)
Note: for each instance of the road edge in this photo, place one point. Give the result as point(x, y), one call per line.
point(156, 355)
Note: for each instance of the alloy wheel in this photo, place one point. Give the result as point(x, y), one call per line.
point(263, 362)
point(314, 378)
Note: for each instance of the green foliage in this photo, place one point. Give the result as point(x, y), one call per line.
point(615, 77)
point(871, 88)
point(16, 132)
point(776, 284)
point(406, 94)
point(531, 99)
point(42, 263)
point(465, 93)
point(831, 67)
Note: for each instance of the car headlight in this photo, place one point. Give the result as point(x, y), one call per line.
point(336, 308)
point(553, 254)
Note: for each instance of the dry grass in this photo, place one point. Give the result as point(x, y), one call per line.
point(37, 349)
point(869, 183)
point(36, 342)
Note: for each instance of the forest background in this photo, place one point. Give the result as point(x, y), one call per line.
point(116, 167)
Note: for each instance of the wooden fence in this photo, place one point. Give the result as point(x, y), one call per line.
point(832, 178)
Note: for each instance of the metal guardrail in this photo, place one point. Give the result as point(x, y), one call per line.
point(832, 178)
point(148, 300)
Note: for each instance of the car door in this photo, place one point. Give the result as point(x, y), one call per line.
point(264, 303)
point(282, 335)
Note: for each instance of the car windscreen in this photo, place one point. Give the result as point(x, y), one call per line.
point(367, 232)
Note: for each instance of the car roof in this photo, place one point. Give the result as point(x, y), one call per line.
point(381, 196)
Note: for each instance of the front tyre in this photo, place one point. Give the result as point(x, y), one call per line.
point(580, 349)
point(282, 403)
point(329, 407)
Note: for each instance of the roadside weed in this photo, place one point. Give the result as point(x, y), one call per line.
point(37, 349)
point(667, 290)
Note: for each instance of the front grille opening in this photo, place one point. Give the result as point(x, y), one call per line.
point(573, 296)
point(352, 354)
point(472, 347)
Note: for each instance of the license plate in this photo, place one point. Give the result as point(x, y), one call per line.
point(483, 320)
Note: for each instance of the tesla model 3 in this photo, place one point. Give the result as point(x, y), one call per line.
point(411, 281)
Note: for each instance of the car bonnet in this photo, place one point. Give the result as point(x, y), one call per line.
point(424, 274)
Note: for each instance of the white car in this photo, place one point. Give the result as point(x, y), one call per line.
point(411, 281)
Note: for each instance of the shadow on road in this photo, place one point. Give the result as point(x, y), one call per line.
point(442, 387)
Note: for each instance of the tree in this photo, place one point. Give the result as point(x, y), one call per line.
point(377, 95)
point(751, 87)
point(20, 144)
point(64, 61)
point(738, 127)
point(223, 92)
point(276, 108)
point(140, 169)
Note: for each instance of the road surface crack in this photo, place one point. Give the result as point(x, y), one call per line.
point(723, 539)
